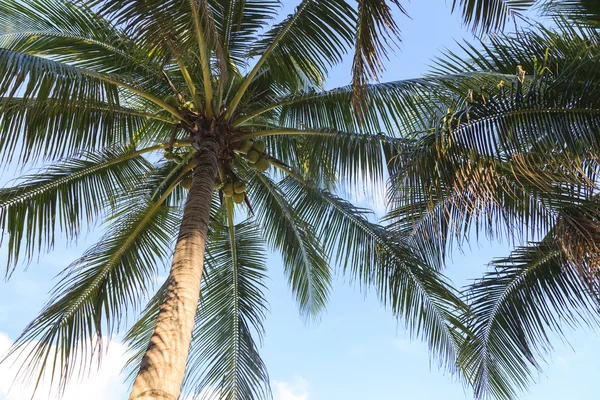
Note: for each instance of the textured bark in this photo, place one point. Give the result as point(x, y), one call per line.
point(163, 366)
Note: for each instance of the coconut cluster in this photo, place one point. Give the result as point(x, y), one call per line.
point(235, 189)
point(255, 154)
point(175, 103)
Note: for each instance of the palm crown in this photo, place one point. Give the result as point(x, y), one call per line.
point(133, 103)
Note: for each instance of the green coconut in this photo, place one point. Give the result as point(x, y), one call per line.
point(239, 187)
point(238, 198)
point(169, 155)
point(259, 146)
point(186, 182)
point(228, 189)
point(262, 165)
point(253, 156)
point(244, 146)
point(172, 101)
point(188, 105)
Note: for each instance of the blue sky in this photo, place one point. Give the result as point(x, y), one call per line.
point(358, 350)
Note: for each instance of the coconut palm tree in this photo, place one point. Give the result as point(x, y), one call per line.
point(150, 119)
point(512, 156)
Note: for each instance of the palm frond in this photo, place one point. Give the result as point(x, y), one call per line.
point(487, 163)
point(96, 291)
point(373, 258)
point(50, 130)
point(64, 197)
point(308, 42)
point(536, 290)
point(304, 262)
point(239, 22)
point(223, 353)
point(73, 34)
point(376, 32)
point(585, 12)
point(490, 15)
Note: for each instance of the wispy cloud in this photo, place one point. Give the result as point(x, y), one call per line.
point(106, 383)
point(562, 362)
point(296, 389)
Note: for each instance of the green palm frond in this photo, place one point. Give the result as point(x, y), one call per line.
point(163, 25)
point(71, 34)
point(489, 15)
point(376, 32)
point(331, 156)
point(36, 80)
point(223, 354)
point(373, 258)
point(486, 164)
point(65, 196)
point(586, 12)
point(560, 50)
point(239, 22)
point(538, 289)
point(305, 265)
point(50, 129)
point(308, 42)
point(96, 291)
point(392, 107)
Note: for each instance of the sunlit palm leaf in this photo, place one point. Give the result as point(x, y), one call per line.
point(65, 196)
point(304, 263)
point(223, 354)
point(96, 291)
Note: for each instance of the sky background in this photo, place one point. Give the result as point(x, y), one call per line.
point(358, 350)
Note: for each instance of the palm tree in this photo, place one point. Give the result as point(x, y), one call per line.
point(149, 120)
point(513, 153)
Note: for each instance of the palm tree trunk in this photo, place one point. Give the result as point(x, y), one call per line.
point(163, 366)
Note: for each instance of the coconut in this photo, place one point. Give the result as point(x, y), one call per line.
point(186, 182)
point(259, 146)
point(172, 101)
point(239, 187)
point(238, 198)
point(244, 146)
point(253, 156)
point(228, 189)
point(262, 165)
point(188, 105)
point(169, 155)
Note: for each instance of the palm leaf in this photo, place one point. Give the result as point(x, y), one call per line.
point(535, 290)
point(490, 15)
point(373, 258)
point(305, 265)
point(72, 34)
point(376, 31)
point(223, 354)
point(95, 292)
point(307, 42)
point(64, 197)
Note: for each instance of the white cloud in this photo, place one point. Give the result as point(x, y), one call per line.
point(297, 389)
point(562, 362)
point(106, 383)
